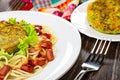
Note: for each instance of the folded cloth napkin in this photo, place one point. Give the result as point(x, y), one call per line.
point(26, 1)
point(61, 8)
point(83, 1)
point(41, 4)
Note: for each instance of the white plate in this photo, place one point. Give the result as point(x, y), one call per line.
point(68, 41)
point(79, 19)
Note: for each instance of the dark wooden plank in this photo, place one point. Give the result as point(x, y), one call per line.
point(17, 4)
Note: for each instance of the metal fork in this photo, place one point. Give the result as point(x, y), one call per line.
point(95, 58)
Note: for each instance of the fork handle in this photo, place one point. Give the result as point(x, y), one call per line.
point(80, 75)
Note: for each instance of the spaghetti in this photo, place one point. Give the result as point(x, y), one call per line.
point(31, 53)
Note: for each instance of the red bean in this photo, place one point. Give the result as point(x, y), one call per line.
point(46, 44)
point(4, 70)
point(27, 68)
point(49, 54)
point(31, 50)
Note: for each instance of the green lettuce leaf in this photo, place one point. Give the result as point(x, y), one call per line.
point(31, 38)
point(3, 53)
point(21, 52)
point(12, 20)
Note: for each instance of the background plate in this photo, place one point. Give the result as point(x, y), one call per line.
point(79, 19)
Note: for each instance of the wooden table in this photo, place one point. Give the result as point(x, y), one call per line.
point(110, 69)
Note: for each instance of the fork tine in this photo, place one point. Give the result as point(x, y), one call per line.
point(90, 57)
point(103, 47)
point(99, 47)
point(93, 56)
point(97, 57)
point(101, 57)
point(107, 47)
point(94, 46)
point(96, 53)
